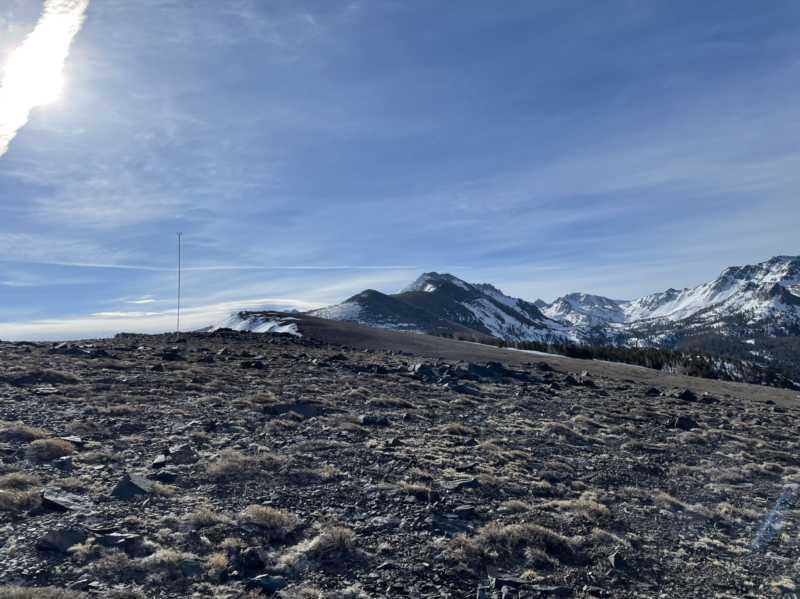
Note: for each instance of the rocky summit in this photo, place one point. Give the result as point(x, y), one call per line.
point(334, 463)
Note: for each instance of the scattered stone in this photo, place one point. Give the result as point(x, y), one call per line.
point(191, 569)
point(127, 542)
point(75, 440)
point(302, 409)
point(64, 463)
point(506, 580)
point(182, 454)
point(257, 365)
point(55, 498)
point(553, 590)
point(679, 393)
point(131, 486)
point(465, 466)
point(617, 561)
point(685, 423)
point(385, 522)
point(61, 540)
point(467, 512)
point(157, 368)
point(269, 585)
point(373, 420)
point(460, 483)
point(450, 527)
point(253, 558)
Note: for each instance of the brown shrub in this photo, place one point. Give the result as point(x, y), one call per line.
point(589, 509)
point(19, 481)
point(332, 539)
point(48, 449)
point(459, 430)
point(15, 592)
point(18, 431)
point(19, 500)
point(233, 465)
point(277, 522)
point(85, 429)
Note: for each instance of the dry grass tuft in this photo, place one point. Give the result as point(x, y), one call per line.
point(588, 508)
point(15, 592)
point(19, 481)
point(217, 564)
point(160, 490)
point(18, 431)
point(277, 522)
point(458, 430)
point(332, 539)
point(562, 431)
point(19, 500)
point(516, 506)
point(495, 539)
point(48, 449)
point(329, 472)
point(234, 465)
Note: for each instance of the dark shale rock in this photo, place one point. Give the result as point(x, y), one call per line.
point(679, 393)
point(303, 409)
point(131, 486)
point(367, 420)
point(61, 540)
point(269, 585)
point(55, 498)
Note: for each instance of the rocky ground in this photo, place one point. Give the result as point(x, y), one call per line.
point(237, 464)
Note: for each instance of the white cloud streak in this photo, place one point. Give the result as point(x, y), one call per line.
point(33, 73)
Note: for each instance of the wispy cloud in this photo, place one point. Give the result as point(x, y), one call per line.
point(33, 73)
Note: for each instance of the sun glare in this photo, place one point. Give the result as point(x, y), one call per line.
point(32, 76)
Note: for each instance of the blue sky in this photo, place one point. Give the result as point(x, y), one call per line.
point(310, 150)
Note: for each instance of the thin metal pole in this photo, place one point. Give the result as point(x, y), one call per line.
point(178, 332)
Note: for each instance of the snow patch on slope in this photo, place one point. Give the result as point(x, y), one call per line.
point(258, 324)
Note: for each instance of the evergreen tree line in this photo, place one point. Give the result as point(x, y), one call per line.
point(691, 362)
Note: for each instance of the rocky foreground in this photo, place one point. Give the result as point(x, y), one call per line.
point(240, 464)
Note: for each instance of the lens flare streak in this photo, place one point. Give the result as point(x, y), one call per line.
point(33, 73)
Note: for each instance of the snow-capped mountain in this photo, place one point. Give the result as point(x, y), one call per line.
point(442, 303)
point(758, 293)
point(583, 309)
point(742, 302)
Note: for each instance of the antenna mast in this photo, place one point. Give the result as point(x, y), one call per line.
point(178, 331)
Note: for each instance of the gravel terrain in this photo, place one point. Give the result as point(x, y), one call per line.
point(355, 462)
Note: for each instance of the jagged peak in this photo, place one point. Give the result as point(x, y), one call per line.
point(430, 281)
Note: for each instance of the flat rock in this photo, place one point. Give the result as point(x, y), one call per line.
point(130, 486)
point(553, 590)
point(460, 483)
point(373, 420)
point(386, 522)
point(506, 580)
point(465, 466)
point(450, 527)
point(685, 423)
point(303, 409)
point(679, 393)
point(55, 498)
point(61, 540)
point(191, 568)
point(269, 585)
point(182, 454)
point(128, 542)
point(465, 511)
